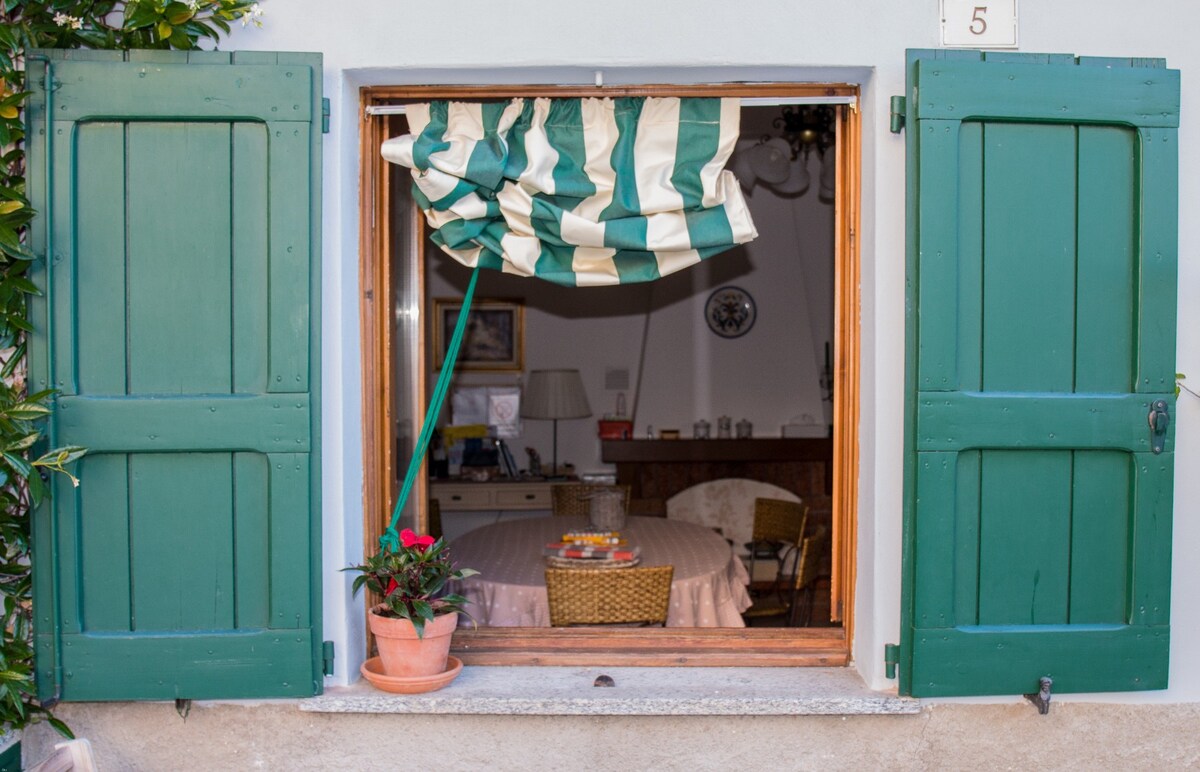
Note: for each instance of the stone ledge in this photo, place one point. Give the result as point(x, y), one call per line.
point(649, 691)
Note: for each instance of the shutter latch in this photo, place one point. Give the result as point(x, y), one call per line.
point(891, 658)
point(1159, 420)
point(1042, 697)
point(327, 657)
point(899, 107)
point(325, 115)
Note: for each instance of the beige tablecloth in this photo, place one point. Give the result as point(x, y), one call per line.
point(708, 589)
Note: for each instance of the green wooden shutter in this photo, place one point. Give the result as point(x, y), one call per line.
point(179, 200)
point(1041, 328)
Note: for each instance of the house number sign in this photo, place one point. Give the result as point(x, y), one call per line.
point(979, 23)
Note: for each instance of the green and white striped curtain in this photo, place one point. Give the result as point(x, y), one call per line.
point(580, 192)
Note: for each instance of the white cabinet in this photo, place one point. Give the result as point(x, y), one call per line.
point(466, 506)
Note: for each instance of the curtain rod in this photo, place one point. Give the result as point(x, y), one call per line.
point(746, 102)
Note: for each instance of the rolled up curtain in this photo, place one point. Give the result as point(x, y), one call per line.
point(580, 192)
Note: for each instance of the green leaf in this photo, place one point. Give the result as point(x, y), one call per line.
point(19, 465)
point(61, 727)
point(27, 411)
point(422, 610)
point(140, 14)
point(22, 284)
point(179, 39)
point(178, 13)
point(22, 443)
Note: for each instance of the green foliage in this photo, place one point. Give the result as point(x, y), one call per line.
point(412, 579)
point(104, 24)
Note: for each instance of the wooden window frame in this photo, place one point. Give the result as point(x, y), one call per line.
point(657, 647)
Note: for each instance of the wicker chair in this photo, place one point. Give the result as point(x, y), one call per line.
point(599, 596)
point(571, 498)
point(801, 581)
point(778, 532)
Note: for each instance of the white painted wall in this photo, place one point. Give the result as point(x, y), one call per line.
point(769, 376)
point(689, 41)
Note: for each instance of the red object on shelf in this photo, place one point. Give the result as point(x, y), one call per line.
point(616, 430)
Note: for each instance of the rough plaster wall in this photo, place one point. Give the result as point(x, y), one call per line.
point(685, 41)
point(151, 736)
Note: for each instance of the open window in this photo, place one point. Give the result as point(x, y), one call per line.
point(403, 276)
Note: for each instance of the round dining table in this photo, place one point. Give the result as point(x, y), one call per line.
point(708, 588)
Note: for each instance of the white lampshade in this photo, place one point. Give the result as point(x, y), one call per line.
point(555, 394)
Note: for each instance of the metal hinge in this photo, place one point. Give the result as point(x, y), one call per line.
point(327, 658)
point(325, 115)
point(899, 109)
point(891, 658)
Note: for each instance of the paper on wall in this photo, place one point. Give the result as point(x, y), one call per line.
point(497, 406)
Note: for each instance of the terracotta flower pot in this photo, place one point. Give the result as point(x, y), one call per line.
point(403, 653)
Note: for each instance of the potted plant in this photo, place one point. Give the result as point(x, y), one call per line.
point(413, 624)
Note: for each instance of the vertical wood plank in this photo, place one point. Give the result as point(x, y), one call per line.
point(937, 369)
point(1025, 523)
point(1158, 269)
point(1104, 345)
point(104, 542)
point(251, 539)
point(250, 216)
point(179, 270)
point(289, 536)
point(966, 538)
point(1100, 537)
point(1029, 257)
point(62, 260)
point(970, 256)
point(69, 554)
point(45, 581)
point(934, 540)
point(181, 517)
point(1155, 483)
point(289, 269)
point(100, 264)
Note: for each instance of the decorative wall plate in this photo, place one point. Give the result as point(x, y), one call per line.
point(730, 312)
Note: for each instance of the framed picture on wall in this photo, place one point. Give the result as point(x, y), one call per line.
point(495, 336)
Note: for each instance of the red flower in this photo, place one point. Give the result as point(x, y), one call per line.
point(392, 586)
point(409, 538)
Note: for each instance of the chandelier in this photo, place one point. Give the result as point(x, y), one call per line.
point(780, 162)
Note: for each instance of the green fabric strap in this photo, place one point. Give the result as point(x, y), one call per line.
point(390, 538)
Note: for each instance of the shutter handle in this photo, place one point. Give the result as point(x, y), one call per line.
point(1159, 420)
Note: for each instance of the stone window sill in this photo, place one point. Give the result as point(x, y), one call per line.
point(638, 691)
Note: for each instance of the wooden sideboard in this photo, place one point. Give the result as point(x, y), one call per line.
point(656, 470)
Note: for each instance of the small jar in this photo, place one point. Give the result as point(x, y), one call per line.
point(700, 429)
point(724, 427)
point(745, 429)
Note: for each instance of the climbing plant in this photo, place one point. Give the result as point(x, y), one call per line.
point(101, 24)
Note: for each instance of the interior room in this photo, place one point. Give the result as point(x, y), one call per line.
point(697, 395)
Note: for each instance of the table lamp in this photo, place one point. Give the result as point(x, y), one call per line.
point(553, 395)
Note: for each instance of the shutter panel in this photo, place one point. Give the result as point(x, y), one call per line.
point(179, 211)
point(1041, 328)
